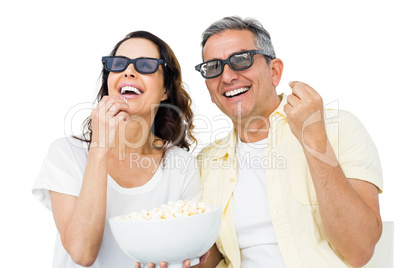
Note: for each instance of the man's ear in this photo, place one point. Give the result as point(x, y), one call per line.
point(276, 68)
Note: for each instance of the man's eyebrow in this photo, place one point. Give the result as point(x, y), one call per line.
point(237, 52)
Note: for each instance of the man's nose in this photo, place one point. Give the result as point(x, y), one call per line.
point(228, 74)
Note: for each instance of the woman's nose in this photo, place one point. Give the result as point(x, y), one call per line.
point(130, 71)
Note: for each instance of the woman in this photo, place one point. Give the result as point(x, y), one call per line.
point(136, 135)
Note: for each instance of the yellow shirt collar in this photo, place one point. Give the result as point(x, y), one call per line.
point(226, 147)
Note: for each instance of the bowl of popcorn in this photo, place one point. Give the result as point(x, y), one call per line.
point(172, 233)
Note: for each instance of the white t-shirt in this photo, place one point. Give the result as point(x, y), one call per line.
point(63, 171)
point(255, 232)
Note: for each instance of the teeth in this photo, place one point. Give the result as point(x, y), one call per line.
point(236, 91)
point(130, 89)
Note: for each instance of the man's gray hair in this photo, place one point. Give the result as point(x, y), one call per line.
point(262, 37)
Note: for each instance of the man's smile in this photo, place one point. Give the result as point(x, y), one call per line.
point(236, 92)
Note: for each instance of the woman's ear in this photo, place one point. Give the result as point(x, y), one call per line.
point(276, 68)
point(164, 96)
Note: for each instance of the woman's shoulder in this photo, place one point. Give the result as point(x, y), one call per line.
point(177, 151)
point(70, 142)
point(179, 158)
point(69, 145)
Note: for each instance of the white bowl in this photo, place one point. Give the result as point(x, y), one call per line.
point(169, 240)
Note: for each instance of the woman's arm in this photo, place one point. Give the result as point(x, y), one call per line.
point(81, 220)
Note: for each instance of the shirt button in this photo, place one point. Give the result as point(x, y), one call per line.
point(232, 179)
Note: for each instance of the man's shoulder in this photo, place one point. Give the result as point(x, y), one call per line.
point(344, 119)
point(337, 114)
point(211, 146)
point(215, 147)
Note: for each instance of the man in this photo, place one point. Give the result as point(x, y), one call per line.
point(298, 184)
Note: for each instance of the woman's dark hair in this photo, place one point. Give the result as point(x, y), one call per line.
point(173, 120)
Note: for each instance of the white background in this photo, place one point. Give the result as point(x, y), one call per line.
point(349, 51)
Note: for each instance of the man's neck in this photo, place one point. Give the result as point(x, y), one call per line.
point(253, 133)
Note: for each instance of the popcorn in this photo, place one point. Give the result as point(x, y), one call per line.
point(171, 210)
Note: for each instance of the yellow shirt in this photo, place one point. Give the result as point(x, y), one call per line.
point(292, 199)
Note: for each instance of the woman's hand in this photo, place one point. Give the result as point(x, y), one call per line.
point(162, 264)
point(186, 263)
point(106, 117)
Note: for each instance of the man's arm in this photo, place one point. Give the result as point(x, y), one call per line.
point(349, 207)
point(212, 260)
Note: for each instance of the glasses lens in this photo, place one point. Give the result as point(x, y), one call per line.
point(146, 65)
point(241, 61)
point(116, 64)
point(211, 68)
